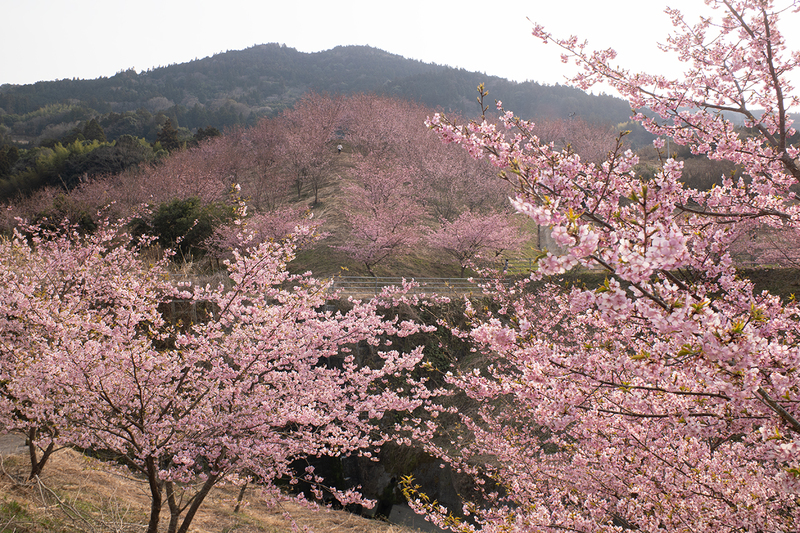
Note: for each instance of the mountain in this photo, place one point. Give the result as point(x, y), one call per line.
point(238, 87)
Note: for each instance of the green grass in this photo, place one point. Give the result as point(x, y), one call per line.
point(783, 282)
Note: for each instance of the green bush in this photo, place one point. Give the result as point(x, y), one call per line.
point(185, 224)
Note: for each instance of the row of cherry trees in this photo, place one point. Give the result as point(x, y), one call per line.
point(265, 376)
point(289, 164)
point(668, 398)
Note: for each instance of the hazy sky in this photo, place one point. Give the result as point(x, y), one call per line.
point(54, 39)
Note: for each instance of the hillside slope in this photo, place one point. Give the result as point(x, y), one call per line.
point(77, 494)
point(237, 87)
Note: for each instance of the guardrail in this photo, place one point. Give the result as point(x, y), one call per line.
point(367, 286)
point(371, 286)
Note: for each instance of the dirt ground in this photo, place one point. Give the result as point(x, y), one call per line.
point(80, 494)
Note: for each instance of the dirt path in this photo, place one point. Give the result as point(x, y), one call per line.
point(12, 444)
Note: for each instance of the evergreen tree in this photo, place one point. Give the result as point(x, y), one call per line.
point(93, 131)
point(168, 137)
point(8, 156)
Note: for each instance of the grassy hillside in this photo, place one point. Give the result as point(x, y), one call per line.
point(80, 494)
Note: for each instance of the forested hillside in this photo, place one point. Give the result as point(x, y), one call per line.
point(56, 133)
point(238, 87)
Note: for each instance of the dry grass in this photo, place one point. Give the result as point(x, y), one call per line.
point(79, 494)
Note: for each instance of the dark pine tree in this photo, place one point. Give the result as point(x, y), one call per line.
point(168, 137)
point(93, 131)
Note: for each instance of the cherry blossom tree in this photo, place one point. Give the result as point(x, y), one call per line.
point(265, 226)
point(773, 245)
point(383, 126)
point(592, 142)
point(266, 186)
point(307, 131)
point(61, 291)
point(472, 235)
point(453, 182)
point(667, 398)
point(449, 181)
point(382, 212)
point(264, 375)
point(206, 172)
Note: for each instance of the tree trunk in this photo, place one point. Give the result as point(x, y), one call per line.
point(155, 495)
point(240, 498)
point(37, 465)
point(174, 511)
point(198, 499)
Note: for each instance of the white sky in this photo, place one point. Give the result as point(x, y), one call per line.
point(55, 39)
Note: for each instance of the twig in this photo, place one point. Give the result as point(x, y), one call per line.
point(5, 526)
point(70, 510)
point(779, 410)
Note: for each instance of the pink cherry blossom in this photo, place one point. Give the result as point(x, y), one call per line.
point(666, 399)
point(256, 376)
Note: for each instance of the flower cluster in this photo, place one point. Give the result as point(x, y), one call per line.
point(96, 352)
point(665, 399)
